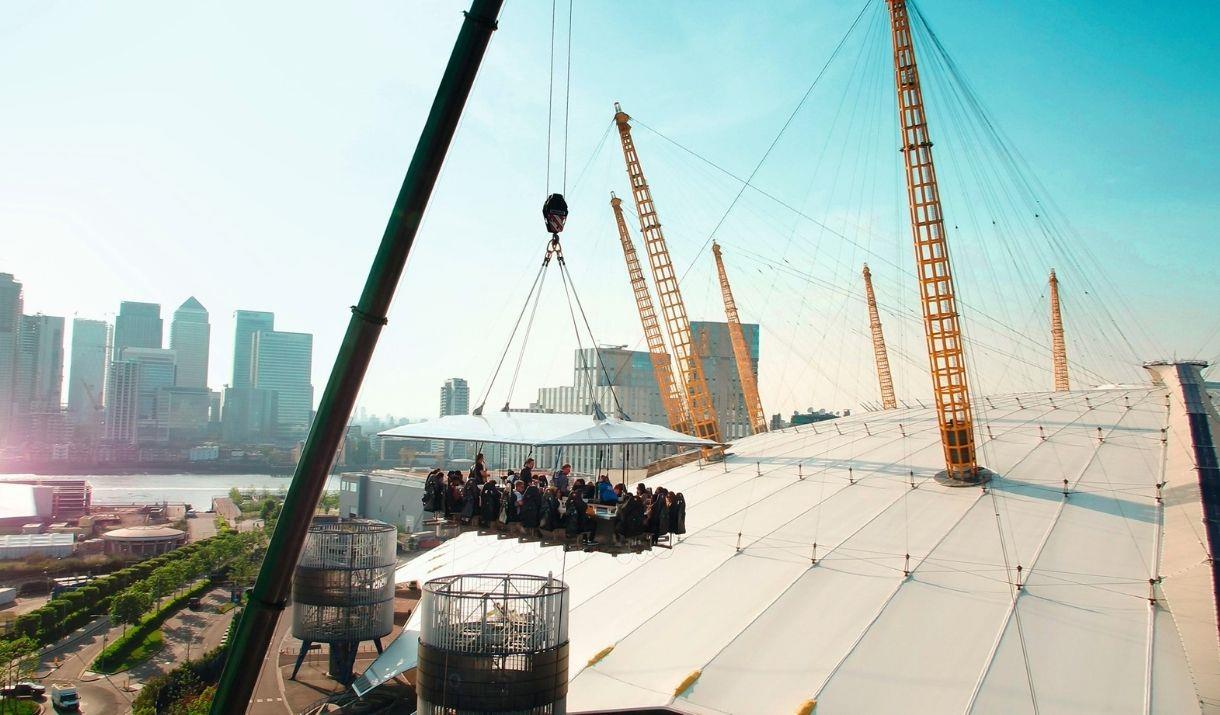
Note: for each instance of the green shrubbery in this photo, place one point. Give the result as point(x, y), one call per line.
point(70, 611)
point(138, 643)
point(183, 687)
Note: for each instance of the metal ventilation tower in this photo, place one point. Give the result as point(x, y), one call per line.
point(493, 643)
point(671, 398)
point(741, 354)
point(677, 324)
point(888, 400)
point(343, 590)
point(1058, 349)
point(940, 317)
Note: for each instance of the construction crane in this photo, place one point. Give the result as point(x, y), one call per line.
point(671, 398)
point(741, 354)
point(690, 371)
point(888, 401)
point(1058, 349)
point(941, 322)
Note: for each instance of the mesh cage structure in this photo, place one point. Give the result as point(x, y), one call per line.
point(343, 587)
point(493, 643)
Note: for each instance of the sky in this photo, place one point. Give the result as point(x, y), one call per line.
point(249, 154)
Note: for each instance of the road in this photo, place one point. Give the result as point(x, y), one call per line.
point(269, 690)
point(186, 633)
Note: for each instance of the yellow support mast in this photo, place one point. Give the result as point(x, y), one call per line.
point(671, 398)
point(673, 310)
point(888, 400)
point(1058, 349)
point(741, 354)
point(941, 322)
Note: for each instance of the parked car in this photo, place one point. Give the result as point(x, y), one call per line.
point(23, 690)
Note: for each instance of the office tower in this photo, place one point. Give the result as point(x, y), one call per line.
point(282, 363)
point(138, 325)
point(182, 412)
point(90, 353)
point(715, 350)
point(597, 370)
point(455, 400)
point(157, 371)
point(189, 336)
point(10, 323)
point(38, 386)
point(455, 397)
point(249, 416)
point(248, 322)
point(122, 391)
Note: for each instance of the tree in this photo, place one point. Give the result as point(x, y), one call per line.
point(129, 606)
point(18, 659)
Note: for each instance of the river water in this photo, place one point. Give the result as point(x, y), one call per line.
point(194, 489)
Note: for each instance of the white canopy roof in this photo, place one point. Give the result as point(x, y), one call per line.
point(764, 621)
point(542, 429)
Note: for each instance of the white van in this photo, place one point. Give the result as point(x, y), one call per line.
point(63, 696)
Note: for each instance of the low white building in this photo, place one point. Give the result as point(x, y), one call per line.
point(20, 546)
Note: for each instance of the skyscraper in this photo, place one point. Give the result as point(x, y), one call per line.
point(455, 400)
point(10, 322)
point(283, 363)
point(138, 325)
point(455, 397)
point(715, 350)
point(122, 389)
point(90, 353)
point(189, 336)
point(38, 386)
point(248, 322)
point(156, 370)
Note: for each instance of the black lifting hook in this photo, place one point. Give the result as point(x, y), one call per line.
point(555, 212)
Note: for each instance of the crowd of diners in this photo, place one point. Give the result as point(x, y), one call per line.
point(538, 502)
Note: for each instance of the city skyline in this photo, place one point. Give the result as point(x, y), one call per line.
point(339, 151)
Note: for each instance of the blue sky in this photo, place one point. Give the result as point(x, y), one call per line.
point(248, 154)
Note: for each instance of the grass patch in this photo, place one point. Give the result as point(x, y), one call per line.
point(12, 706)
point(139, 652)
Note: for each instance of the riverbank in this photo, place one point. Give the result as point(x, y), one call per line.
point(61, 470)
point(195, 489)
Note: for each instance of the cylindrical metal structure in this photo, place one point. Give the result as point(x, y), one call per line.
point(343, 586)
point(493, 643)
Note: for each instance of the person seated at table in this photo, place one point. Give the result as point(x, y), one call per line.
point(540, 480)
point(434, 491)
point(640, 489)
point(605, 491)
point(620, 493)
point(478, 473)
point(677, 513)
point(576, 518)
point(630, 518)
point(453, 493)
point(550, 519)
point(531, 506)
point(490, 502)
point(527, 471)
point(657, 522)
point(512, 503)
point(559, 479)
point(470, 501)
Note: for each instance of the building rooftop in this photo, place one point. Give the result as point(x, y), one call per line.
point(149, 531)
point(791, 583)
point(53, 539)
